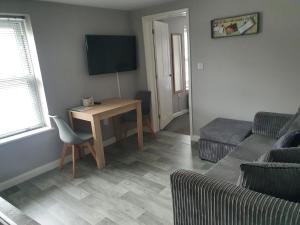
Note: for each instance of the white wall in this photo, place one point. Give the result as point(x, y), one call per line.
point(242, 75)
point(59, 32)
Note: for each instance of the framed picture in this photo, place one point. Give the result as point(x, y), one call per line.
point(235, 26)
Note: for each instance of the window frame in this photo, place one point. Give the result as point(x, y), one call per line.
point(38, 79)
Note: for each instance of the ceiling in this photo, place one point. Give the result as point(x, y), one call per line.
point(113, 4)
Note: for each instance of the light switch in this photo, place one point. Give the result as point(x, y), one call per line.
point(200, 66)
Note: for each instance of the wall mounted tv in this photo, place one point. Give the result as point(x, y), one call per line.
point(110, 54)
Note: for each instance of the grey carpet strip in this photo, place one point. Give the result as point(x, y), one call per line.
point(201, 200)
point(213, 151)
point(269, 124)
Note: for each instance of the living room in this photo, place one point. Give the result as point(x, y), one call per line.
point(235, 77)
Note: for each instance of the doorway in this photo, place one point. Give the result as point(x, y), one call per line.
point(167, 51)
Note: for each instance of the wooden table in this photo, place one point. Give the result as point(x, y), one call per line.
point(108, 109)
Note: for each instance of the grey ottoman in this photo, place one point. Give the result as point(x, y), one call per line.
point(221, 136)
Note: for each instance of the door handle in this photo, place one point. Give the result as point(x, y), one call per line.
point(170, 75)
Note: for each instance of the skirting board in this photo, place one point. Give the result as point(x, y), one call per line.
point(180, 113)
point(195, 138)
point(47, 167)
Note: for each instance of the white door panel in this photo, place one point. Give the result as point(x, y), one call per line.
point(163, 71)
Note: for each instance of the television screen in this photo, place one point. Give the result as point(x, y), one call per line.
point(110, 54)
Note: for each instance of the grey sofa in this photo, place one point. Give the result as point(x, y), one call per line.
point(215, 199)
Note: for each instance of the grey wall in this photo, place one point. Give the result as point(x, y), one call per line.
point(176, 26)
point(242, 75)
point(59, 34)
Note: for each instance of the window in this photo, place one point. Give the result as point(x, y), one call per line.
point(22, 97)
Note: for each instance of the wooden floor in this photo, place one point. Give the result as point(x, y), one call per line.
point(133, 189)
point(180, 125)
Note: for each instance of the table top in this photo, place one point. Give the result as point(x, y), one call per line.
point(107, 105)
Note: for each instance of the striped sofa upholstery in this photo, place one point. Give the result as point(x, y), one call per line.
point(221, 136)
point(269, 124)
point(216, 199)
point(202, 200)
point(213, 151)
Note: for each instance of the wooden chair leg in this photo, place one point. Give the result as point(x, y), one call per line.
point(63, 155)
point(148, 124)
point(74, 160)
point(91, 149)
point(80, 153)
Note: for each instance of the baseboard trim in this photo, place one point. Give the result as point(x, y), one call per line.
point(195, 138)
point(180, 113)
point(47, 167)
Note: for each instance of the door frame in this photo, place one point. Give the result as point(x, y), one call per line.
point(147, 22)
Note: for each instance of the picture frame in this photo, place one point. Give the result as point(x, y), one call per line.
point(240, 25)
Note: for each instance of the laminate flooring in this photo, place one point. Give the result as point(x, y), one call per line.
point(180, 125)
point(133, 189)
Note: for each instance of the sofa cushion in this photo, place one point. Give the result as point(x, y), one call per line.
point(226, 131)
point(281, 180)
point(227, 169)
point(287, 125)
point(290, 139)
point(295, 125)
point(284, 155)
point(253, 147)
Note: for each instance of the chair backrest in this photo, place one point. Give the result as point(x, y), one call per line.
point(145, 97)
point(66, 134)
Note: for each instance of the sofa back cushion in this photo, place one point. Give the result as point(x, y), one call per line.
point(286, 126)
point(283, 155)
point(292, 124)
point(281, 180)
point(290, 139)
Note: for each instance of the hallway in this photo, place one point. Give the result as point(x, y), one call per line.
point(180, 125)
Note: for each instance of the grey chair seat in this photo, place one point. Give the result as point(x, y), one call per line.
point(84, 136)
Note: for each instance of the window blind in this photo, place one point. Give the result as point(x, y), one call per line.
point(20, 105)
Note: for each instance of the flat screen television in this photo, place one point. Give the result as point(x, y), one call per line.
point(110, 54)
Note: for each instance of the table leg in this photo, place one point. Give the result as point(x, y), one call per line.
point(98, 145)
point(139, 119)
point(71, 120)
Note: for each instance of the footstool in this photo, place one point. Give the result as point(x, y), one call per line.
point(221, 136)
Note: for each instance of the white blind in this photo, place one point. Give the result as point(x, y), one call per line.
point(20, 105)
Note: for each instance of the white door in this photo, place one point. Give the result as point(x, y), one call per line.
point(163, 72)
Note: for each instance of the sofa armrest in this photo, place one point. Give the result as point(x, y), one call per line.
point(269, 124)
point(201, 200)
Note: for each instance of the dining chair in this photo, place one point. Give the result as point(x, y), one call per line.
point(72, 140)
point(126, 119)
